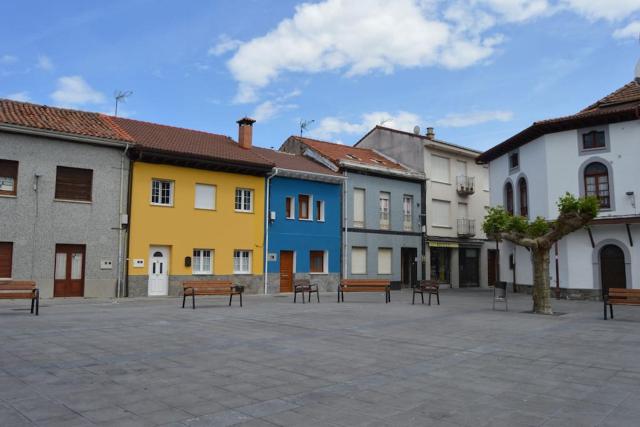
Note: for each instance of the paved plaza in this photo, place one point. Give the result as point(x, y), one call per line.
point(146, 362)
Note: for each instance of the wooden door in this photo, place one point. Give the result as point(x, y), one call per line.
point(612, 268)
point(6, 259)
point(69, 271)
point(286, 271)
point(492, 261)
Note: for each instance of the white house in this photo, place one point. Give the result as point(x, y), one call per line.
point(593, 152)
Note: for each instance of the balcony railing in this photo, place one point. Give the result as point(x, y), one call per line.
point(466, 227)
point(465, 185)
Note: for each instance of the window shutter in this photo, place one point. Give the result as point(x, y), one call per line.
point(441, 212)
point(358, 207)
point(439, 168)
point(358, 260)
point(463, 210)
point(205, 196)
point(384, 261)
point(6, 258)
point(73, 183)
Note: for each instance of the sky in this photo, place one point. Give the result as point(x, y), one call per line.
point(478, 71)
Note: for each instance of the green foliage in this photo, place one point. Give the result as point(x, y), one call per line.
point(496, 221)
point(539, 227)
point(588, 206)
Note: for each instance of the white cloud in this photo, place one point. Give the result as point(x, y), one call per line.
point(75, 91)
point(8, 59)
point(44, 63)
point(271, 108)
point(459, 120)
point(19, 96)
point(630, 31)
point(223, 45)
point(603, 9)
point(329, 127)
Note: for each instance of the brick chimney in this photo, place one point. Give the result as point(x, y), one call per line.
point(245, 132)
point(431, 134)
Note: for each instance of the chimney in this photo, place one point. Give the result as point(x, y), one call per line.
point(245, 132)
point(431, 134)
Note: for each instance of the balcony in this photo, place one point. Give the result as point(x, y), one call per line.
point(465, 185)
point(466, 227)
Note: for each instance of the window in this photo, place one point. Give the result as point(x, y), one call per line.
point(440, 169)
point(242, 262)
point(288, 208)
point(594, 139)
point(244, 200)
point(205, 196)
point(317, 261)
point(161, 192)
point(202, 261)
point(320, 210)
point(303, 206)
point(596, 183)
point(514, 160)
point(8, 177)
point(508, 197)
point(384, 210)
point(463, 210)
point(358, 260)
point(407, 210)
point(358, 207)
point(441, 213)
point(522, 194)
point(73, 183)
point(461, 168)
point(6, 259)
point(384, 260)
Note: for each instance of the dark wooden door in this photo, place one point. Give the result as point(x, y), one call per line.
point(409, 273)
point(469, 267)
point(612, 268)
point(492, 266)
point(286, 271)
point(6, 259)
point(69, 271)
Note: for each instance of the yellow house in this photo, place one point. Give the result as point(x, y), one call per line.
point(196, 208)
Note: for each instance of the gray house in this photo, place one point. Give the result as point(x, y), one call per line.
point(382, 211)
point(63, 193)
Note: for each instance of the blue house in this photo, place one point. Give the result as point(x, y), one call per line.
point(303, 230)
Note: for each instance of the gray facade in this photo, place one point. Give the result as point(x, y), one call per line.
point(35, 222)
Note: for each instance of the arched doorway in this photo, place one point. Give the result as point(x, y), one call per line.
point(612, 268)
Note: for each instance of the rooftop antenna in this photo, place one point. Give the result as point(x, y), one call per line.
point(304, 124)
point(121, 96)
point(382, 122)
point(637, 71)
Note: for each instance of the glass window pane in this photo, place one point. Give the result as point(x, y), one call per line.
point(61, 266)
point(76, 266)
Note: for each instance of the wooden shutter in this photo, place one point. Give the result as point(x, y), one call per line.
point(6, 258)
point(358, 260)
point(73, 183)
point(439, 168)
point(9, 170)
point(384, 261)
point(358, 207)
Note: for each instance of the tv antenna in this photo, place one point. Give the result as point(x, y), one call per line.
point(121, 96)
point(383, 121)
point(304, 124)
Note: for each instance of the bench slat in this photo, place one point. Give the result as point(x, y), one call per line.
point(6, 295)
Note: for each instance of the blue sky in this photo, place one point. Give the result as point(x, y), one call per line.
point(476, 70)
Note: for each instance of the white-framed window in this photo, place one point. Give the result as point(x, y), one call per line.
point(407, 212)
point(205, 196)
point(161, 192)
point(289, 210)
point(440, 169)
point(320, 210)
point(202, 261)
point(242, 261)
point(384, 260)
point(244, 200)
point(318, 262)
point(358, 260)
point(441, 213)
point(385, 200)
point(358, 207)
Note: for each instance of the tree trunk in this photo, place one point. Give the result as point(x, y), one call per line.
point(541, 293)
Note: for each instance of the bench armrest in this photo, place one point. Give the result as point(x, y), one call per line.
point(237, 288)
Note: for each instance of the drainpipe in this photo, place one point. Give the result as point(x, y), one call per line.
point(266, 228)
point(557, 272)
point(345, 221)
point(120, 261)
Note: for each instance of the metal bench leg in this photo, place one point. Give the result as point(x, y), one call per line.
point(193, 300)
point(184, 299)
point(429, 298)
point(303, 296)
point(33, 303)
point(438, 297)
point(605, 310)
point(318, 295)
point(611, 310)
point(230, 299)
point(413, 299)
point(240, 299)
point(295, 295)
point(37, 304)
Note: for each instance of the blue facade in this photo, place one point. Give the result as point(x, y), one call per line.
point(300, 235)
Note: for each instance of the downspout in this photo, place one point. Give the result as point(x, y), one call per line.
point(120, 287)
point(345, 221)
point(266, 227)
point(557, 272)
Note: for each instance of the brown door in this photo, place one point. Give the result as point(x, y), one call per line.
point(286, 271)
point(69, 271)
point(612, 268)
point(492, 261)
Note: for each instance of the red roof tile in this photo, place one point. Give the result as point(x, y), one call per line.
point(294, 162)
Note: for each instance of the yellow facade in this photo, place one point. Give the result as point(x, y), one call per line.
point(183, 228)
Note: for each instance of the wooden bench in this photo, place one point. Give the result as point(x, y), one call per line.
point(430, 287)
point(301, 286)
point(15, 289)
point(365, 285)
point(620, 296)
point(210, 287)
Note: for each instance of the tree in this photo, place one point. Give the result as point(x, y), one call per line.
point(539, 236)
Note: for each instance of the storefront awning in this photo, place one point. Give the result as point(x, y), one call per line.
point(443, 245)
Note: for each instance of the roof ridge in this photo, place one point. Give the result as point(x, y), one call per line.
point(171, 127)
point(73, 110)
point(604, 100)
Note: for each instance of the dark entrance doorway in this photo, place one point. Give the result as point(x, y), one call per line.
point(612, 268)
point(286, 271)
point(440, 264)
point(469, 264)
point(409, 261)
point(69, 271)
point(492, 266)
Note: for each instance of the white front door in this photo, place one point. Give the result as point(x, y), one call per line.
point(158, 270)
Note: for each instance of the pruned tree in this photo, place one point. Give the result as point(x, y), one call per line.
point(539, 236)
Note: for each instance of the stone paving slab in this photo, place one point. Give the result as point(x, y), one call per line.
point(147, 362)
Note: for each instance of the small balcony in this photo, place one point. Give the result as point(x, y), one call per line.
point(465, 185)
point(466, 227)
